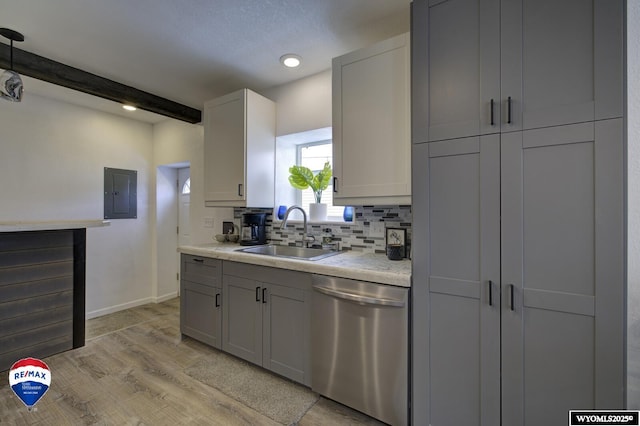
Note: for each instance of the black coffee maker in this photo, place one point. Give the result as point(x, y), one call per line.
point(254, 230)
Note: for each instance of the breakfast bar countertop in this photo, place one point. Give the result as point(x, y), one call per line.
point(47, 225)
point(348, 264)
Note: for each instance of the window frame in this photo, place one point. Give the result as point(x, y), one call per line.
point(299, 147)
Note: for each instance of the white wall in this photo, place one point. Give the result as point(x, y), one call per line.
point(176, 142)
point(52, 159)
point(633, 197)
point(302, 105)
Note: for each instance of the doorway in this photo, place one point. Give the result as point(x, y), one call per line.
point(172, 227)
point(184, 200)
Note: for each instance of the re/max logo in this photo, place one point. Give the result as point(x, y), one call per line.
point(30, 373)
point(604, 417)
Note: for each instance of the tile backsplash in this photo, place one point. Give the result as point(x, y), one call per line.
point(366, 233)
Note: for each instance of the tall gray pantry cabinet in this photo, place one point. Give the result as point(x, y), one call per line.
point(518, 252)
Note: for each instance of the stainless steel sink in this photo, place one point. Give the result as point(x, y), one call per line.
point(290, 252)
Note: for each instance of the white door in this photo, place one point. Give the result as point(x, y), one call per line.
point(184, 196)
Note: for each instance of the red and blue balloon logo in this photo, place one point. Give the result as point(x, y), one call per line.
point(29, 378)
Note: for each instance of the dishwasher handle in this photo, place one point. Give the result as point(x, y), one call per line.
point(354, 297)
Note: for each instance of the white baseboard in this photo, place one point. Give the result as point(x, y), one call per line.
point(129, 305)
point(166, 297)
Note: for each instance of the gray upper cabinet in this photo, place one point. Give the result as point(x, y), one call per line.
point(371, 114)
point(561, 62)
point(239, 150)
point(267, 318)
point(492, 66)
point(458, 50)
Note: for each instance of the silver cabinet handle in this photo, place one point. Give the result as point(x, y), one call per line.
point(359, 298)
point(335, 184)
point(217, 300)
point(240, 190)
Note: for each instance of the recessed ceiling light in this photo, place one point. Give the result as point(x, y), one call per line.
point(129, 107)
point(290, 60)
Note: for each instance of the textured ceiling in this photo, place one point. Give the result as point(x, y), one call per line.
point(190, 51)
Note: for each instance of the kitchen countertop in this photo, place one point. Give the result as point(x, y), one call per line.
point(348, 264)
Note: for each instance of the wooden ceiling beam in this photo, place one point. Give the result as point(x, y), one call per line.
point(41, 68)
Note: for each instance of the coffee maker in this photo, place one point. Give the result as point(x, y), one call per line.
point(254, 230)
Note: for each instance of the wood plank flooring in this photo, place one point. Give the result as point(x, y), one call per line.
point(131, 372)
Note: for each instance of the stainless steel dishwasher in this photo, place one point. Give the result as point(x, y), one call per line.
point(359, 346)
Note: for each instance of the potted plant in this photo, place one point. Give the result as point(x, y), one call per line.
point(302, 177)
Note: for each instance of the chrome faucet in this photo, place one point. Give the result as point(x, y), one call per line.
point(306, 238)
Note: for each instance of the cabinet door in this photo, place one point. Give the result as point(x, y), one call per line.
point(242, 318)
point(462, 48)
point(371, 114)
point(200, 314)
point(561, 62)
point(562, 271)
point(286, 332)
point(464, 281)
point(224, 148)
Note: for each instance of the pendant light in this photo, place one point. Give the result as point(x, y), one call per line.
point(11, 87)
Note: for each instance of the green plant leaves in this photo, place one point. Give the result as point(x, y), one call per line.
point(302, 178)
point(321, 180)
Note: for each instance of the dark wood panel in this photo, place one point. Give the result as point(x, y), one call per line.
point(45, 69)
point(35, 272)
point(11, 241)
point(22, 324)
point(79, 286)
point(42, 293)
point(24, 290)
point(35, 304)
point(35, 336)
point(40, 350)
point(35, 256)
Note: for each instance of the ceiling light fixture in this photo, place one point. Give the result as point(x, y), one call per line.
point(290, 60)
point(129, 107)
point(11, 87)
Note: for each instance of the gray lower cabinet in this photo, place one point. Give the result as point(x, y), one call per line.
point(266, 318)
point(200, 299)
point(462, 302)
point(520, 280)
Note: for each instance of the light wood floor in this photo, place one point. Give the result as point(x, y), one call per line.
point(131, 372)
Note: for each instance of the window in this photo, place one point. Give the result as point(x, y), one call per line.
point(186, 188)
point(314, 155)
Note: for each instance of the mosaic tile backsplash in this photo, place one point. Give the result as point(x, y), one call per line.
point(366, 233)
